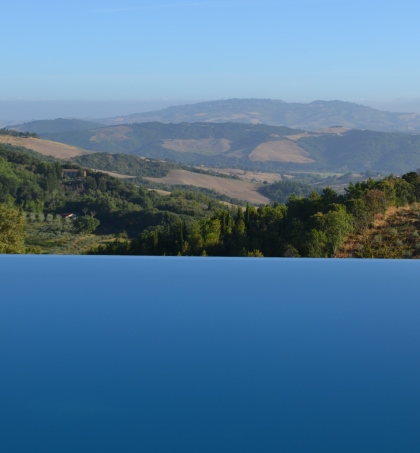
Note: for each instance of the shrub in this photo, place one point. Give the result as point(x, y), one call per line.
point(86, 224)
point(398, 243)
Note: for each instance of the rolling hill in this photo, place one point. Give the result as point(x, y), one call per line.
point(45, 147)
point(127, 167)
point(57, 125)
point(311, 116)
point(255, 147)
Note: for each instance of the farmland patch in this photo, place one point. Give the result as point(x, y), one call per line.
point(280, 151)
point(46, 147)
point(242, 190)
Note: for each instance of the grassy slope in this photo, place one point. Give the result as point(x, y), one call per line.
point(393, 235)
point(241, 190)
point(46, 147)
point(132, 166)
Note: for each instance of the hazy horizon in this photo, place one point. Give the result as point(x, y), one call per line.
point(175, 51)
point(19, 111)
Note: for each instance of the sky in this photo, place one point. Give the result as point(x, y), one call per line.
point(179, 51)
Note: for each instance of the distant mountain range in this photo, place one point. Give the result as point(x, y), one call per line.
point(254, 134)
point(312, 116)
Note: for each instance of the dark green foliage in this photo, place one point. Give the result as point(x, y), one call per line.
point(20, 149)
point(315, 226)
point(14, 133)
point(329, 232)
point(38, 187)
point(26, 180)
point(125, 164)
point(86, 224)
point(186, 223)
point(282, 190)
point(12, 233)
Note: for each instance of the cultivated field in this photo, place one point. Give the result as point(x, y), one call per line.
point(46, 147)
point(241, 190)
point(280, 151)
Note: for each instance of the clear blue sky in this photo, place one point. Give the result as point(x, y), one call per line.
point(201, 50)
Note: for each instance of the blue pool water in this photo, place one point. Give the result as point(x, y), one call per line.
point(208, 355)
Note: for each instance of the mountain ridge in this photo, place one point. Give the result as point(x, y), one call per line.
point(309, 116)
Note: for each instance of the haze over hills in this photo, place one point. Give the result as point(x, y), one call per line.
point(245, 133)
point(255, 147)
point(312, 116)
point(57, 125)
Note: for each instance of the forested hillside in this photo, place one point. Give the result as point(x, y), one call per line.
point(58, 125)
point(45, 196)
point(314, 226)
point(125, 164)
point(47, 208)
point(282, 190)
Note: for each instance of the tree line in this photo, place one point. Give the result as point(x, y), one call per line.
point(32, 186)
point(313, 226)
point(14, 133)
